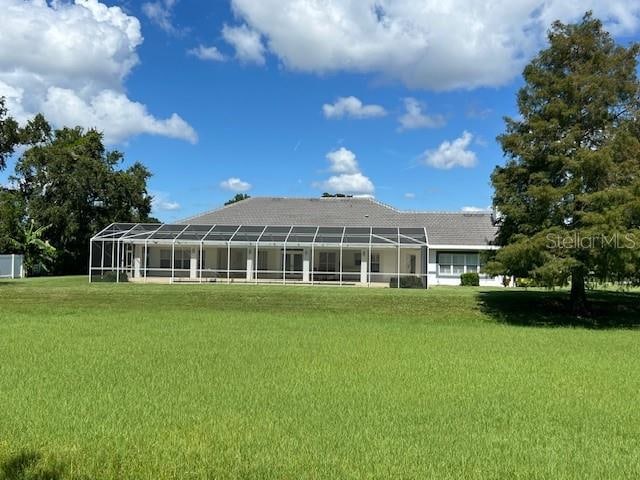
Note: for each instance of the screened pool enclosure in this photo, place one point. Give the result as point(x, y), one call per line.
point(259, 254)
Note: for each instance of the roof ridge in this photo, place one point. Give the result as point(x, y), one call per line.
point(445, 212)
point(359, 199)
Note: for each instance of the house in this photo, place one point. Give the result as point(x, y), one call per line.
point(344, 241)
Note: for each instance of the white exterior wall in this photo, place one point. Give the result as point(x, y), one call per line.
point(351, 272)
point(434, 277)
point(274, 258)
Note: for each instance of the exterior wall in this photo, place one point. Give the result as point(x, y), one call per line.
point(435, 278)
point(244, 266)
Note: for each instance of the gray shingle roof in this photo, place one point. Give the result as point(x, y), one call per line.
point(442, 228)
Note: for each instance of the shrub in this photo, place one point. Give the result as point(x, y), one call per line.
point(525, 282)
point(111, 277)
point(470, 279)
point(406, 282)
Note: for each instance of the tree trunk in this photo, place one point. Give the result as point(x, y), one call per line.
point(579, 304)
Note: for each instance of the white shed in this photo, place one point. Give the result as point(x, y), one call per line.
point(11, 266)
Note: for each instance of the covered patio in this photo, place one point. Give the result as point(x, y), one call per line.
point(291, 254)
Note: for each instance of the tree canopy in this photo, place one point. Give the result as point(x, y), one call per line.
point(66, 186)
point(238, 197)
point(568, 196)
point(9, 134)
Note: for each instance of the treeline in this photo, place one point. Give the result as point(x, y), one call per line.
point(66, 186)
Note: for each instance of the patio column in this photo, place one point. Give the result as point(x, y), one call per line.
point(250, 252)
point(364, 265)
point(193, 264)
point(306, 262)
point(137, 261)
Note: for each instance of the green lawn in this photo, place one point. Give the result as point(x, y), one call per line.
point(130, 381)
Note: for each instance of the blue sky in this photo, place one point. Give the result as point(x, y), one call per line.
point(419, 133)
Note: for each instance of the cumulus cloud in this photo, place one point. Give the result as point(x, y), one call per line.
point(414, 117)
point(76, 74)
point(207, 53)
point(440, 45)
point(475, 209)
point(235, 185)
point(246, 42)
point(162, 203)
point(343, 161)
point(452, 154)
point(161, 13)
point(352, 107)
point(348, 178)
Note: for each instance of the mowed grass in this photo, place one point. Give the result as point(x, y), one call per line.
point(108, 381)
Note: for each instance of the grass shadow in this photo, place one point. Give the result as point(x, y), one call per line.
point(539, 308)
point(27, 465)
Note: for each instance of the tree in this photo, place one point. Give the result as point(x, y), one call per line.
point(71, 183)
point(9, 135)
point(335, 195)
point(237, 198)
point(12, 213)
point(38, 253)
point(569, 194)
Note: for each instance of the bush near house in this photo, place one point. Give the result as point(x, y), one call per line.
point(406, 282)
point(470, 279)
point(112, 277)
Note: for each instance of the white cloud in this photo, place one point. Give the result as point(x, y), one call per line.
point(246, 42)
point(235, 185)
point(351, 183)
point(409, 195)
point(352, 107)
point(207, 53)
point(475, 209)
point(348, 179)
point(343, 161)
point(161, 203)
point(439, 45)
point(161, 12)
point(452, 154)
point(112, 112)
point(477, 112)
point(75, 76)
point(414, 117)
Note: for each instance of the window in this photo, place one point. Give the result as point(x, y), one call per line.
point(458, 263)
point(473, 263)
point(375, 263)
point(263, 260)
point(455, 264)
point(412, 264)
point(222, 259)
point(165, 258)
point(327, 262)
point(182, 259)
point(128, 256)
point(357, 259)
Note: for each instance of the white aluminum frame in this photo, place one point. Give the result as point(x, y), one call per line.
point(121, 234)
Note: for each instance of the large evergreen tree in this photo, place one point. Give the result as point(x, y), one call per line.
point(72, 185)
point(569, 194)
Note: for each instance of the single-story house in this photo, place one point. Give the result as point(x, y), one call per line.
point(344, 241)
